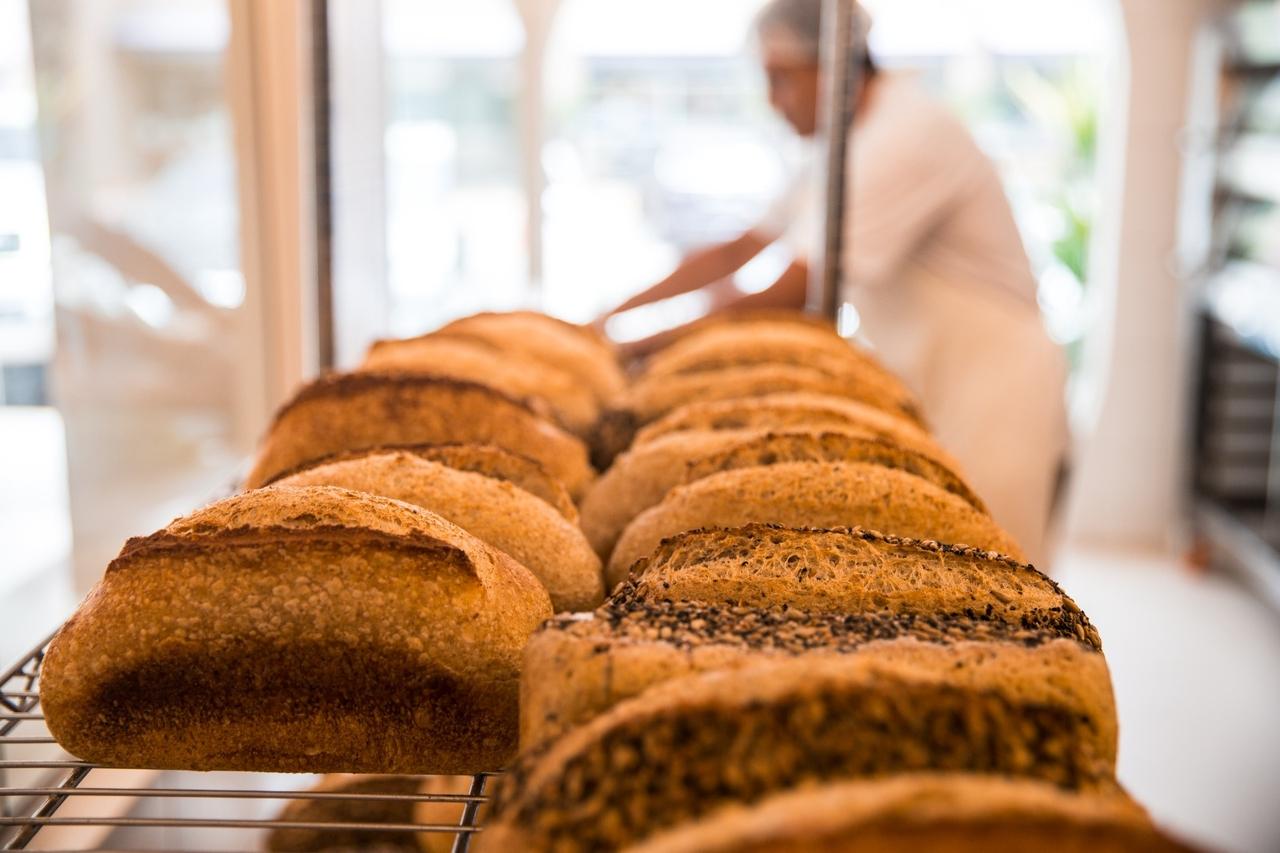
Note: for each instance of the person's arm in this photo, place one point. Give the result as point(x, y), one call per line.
point(700, 269)
point(788, 292)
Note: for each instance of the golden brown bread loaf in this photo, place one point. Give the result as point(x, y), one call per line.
point(487, 459)
point(578, 350)
point(794, 409)
point(476, 360)
point(494, 511)
point(811, 494)
point(684, 748)
point(928, 813)
point(308, 630)
point(356, 411)
point(711, 599)
point(643, 475)
point(764, 342)
point(652, 397)
point(396, 808)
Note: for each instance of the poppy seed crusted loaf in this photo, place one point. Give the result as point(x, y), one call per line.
point(356, 411)
point(487, 459)
point(942, 812)
point(261, 633)
point(493, 511)
point(684, 748)
point(716, 598)
point(811, 494)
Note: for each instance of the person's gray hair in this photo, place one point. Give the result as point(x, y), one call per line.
point(801, 21)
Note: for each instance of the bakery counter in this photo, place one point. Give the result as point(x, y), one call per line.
point(50, 800)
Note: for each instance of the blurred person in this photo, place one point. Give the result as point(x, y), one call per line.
point(934, 266)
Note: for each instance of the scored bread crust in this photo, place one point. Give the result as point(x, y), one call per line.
point(355, 411)
point(577, 350)
point(261, 632)
point(494, 511)
point(811, 494)
point(650, 398)
point(680, 749)
point(944, 812)
point(477, 360)
point(715, 598)
point(487, 459)
point(641, 477)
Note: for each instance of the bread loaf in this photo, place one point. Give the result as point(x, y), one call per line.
point(393, 805)
point(642, 476)
point(712, 599)
point(684, 748)
point(577, 350)
point(942, 812)
point(308, 630)
point(652, 397)
point(357, 411)
point(494, 511)
point(487, 459)
point(811, 494)
point(744, 344)
point(476, 360)
point(794, 409)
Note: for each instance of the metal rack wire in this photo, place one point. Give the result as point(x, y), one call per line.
point(43, 789)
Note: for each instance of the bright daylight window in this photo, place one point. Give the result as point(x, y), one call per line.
point(456, 239)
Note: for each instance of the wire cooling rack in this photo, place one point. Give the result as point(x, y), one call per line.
point(50, 800)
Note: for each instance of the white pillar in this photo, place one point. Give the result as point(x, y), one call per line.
point(1129, 482)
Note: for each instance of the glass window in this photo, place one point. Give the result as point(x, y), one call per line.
point(660, 139)
point(456, 214)
point(140, 176)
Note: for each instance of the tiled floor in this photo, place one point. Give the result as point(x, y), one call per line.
point(1196, 665)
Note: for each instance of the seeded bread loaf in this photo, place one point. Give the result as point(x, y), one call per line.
point(377, 800)
point(652, 397)
point(476, 360)
point(710, 599)
point(811, 494)
point(307, 630)
point(941, 812)
point(684, 748)
point(357, 411)
point(577, 350)
point(494, 511)
point(642, 476)
point(487, 459)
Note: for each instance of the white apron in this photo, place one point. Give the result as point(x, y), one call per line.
point(992, 385)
